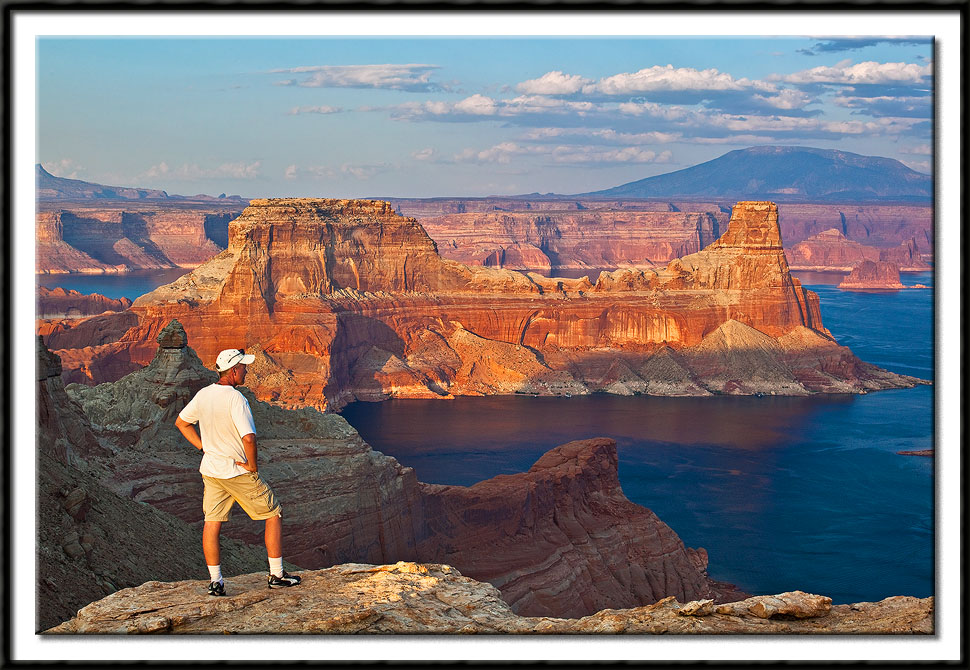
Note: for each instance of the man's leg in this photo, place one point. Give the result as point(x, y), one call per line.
point(274, 536)
point(210, 541)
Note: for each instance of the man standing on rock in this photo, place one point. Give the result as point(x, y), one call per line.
point(229, 469)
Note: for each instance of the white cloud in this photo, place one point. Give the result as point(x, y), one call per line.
point(402, 77)
point(919, 150)
point(476, 105)
point(669, 78)
point(360, 172)
point(187, 171)
point(606, 135)
point(65, 168)
point(504, 153)
point(424, 154)
point(319, 109)
point(482, 106)
point(553, 83)
point(588, 155)
point(786, 99)
point(868, 72)
point(882, 126)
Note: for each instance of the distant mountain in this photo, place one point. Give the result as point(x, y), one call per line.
point(50, 188)
point(785, 174)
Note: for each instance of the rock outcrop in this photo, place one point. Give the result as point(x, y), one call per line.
point(125, 237)
point(57, 303)
point(831, 250)
point(410, 598)
point(873, 275)
point(561, 539)
point(343, 300)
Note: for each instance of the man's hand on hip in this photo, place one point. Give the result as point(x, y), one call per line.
point(247, 466)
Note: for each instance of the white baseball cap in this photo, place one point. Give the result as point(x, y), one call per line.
point(230, 357)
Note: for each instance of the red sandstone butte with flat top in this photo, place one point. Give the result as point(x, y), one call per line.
point(345, 300)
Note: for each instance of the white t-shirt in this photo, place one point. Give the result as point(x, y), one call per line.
point(224, 417)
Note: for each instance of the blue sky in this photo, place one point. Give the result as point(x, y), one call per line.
point(470, 116)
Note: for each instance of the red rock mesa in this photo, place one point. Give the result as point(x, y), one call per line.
point(344, 300)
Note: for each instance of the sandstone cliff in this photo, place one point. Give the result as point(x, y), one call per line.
point(561, 539)
point(577, 239)
point(409, 598)
point(57, 303)
point(877, 275)
point(345, 300)
point(121, 238)
point(831, 250)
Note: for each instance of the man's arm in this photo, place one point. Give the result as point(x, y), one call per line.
point(188, 430)
point(249, 445)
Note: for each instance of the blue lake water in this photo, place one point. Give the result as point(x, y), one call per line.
point(784, 493)
point(128, 285)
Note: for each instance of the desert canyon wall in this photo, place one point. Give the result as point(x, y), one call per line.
point(345, 300)
point(560, 234)
point(116, 237)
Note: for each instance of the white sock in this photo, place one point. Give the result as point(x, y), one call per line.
point(276, 565)
point(215, 573)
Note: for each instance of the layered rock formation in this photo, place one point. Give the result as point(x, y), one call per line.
point(578, 239)
point(899, 232)
point(58, 303)
point(831, 250)
point(411, 598)
point(560, 539)
point(343, 300)
point(124, 237)
point(873, 275)
point(881, 226)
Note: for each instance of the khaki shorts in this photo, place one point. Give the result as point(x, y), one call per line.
point(249, 490)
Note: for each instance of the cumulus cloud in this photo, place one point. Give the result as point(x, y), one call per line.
point(424, 154)
point(788, 99)
point(400, 77)
point(64, 167)
point(554, 83)
point(884, 126)
point(318, 109)
point(868, 72)
point(190, 171)
point(478, 107)
point(603, 136)
point(586, 155)
point(669, 78)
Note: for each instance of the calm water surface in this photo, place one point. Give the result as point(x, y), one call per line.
point(128, 285)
